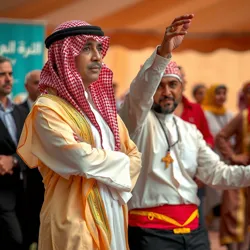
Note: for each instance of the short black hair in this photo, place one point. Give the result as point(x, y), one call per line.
point(221, 86)
point(197, 87)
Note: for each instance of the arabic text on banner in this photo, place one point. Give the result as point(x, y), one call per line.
point(24, 45)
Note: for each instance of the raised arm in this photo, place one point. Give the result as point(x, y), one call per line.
point(139, 100)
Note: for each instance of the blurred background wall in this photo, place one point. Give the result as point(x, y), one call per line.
point(216, 49)
point(223, 65)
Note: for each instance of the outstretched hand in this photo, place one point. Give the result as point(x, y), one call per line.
point(174, 34)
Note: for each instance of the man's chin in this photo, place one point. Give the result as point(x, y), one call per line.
point(168, 109)
point(93, 78)
point(7, 92)
point(164, 109)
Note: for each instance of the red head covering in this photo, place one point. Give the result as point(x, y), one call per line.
point(60, 73)
point(173, 70)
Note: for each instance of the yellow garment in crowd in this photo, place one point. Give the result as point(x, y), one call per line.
point(209, 101)
point(73, 215)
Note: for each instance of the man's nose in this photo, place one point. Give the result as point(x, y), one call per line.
point(166, 91)
point(8, 77)
point(97, 56)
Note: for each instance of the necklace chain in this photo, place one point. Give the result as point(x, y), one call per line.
point(165, 133)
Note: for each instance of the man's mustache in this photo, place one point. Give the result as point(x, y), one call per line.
point(95, 65)
point(166, 98)
point(7, 84)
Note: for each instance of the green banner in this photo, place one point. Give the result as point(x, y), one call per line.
point(24, 44)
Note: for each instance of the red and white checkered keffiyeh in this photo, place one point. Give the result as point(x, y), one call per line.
point(60, 73)
point(173, 70)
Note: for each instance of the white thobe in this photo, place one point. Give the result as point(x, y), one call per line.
point(158, 185)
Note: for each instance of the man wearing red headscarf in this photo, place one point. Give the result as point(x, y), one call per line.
point(164, 206)
point(81, 147)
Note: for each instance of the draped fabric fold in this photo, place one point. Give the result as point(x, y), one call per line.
point(93, 213)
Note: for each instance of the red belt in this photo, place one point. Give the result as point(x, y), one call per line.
point(179, 218)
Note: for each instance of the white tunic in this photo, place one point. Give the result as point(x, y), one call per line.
point(158, 185)
point(217, 122)
point(109, 195)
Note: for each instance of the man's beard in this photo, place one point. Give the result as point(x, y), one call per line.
point(167, 109)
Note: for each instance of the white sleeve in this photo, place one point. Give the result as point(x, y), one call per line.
point(216, 173)
point(139, 100)
point(60, 152)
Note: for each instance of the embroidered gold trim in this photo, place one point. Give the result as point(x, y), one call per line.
point(76, 117)
point(181, 228)
point(98, 210)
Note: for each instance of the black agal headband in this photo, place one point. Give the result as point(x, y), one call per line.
point(73, 31)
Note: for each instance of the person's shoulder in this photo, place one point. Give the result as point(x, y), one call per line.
point(193, 105)
point(197, 109)
point(46, 99)
point(20, 108)
point(47, 102)
point(24, 105)
point(52, 102)
point(21, 111)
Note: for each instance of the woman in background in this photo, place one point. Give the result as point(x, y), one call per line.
point(199, 92)
point(217, 117)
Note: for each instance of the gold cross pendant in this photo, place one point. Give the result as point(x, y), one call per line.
point(167, 159)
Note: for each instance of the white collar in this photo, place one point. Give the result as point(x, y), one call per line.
point(30, 103)
point(165, 118)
